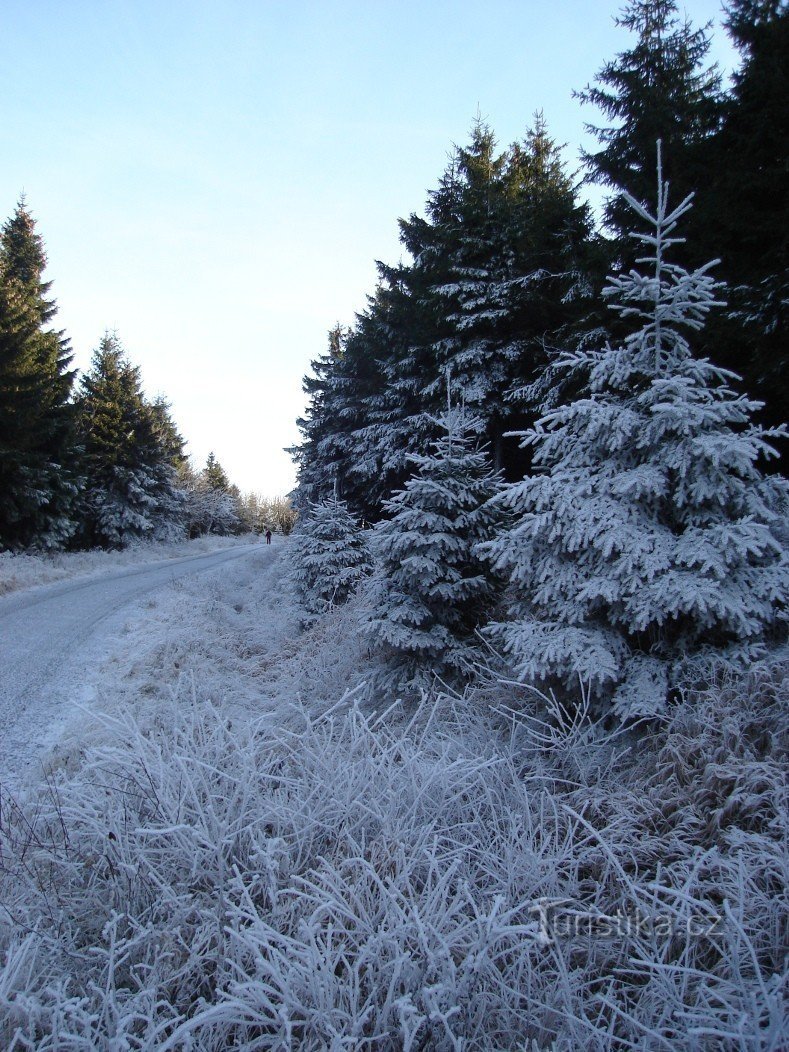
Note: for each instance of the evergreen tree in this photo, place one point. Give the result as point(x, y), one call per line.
point(214, 474)
point(431, 589)
point(325, 425)
point(167, 436)
point(659, 89)
point(372, 406)
point(131, 452)
point(213, 504)
point(746, 207)
point(520, 274)
point(650, 534)
point(502, 267)
point(391, 349)
point(329, 556)
point(166, 459)
point(38, 480)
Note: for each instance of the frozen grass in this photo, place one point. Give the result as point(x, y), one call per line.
point(27, 570)
point(223, 636)
point(321, 877)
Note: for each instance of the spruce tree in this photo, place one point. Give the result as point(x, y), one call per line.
point(503, 267)
point(131, 452)
point(166, 460)
point(520, 275)
point(659, 89)
point(213, 504)
point(329, 556)
point(431, 589)
point(38, 478)
point(332, 392)
point(214, 474)
point(166, 434)
point(746, 206)
point(650, 534)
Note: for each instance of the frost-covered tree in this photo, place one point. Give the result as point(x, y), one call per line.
point(131, 451)
point(650, 533)
point(335, 409)
point(210, 510)
point(499, 266)
point(431, 589)
point(39, 482)
point(516, 278)
point(213, 505)
point(259, 513)
point(282, 516)
point(329, 556)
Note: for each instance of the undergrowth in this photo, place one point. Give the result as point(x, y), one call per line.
point(489, 872)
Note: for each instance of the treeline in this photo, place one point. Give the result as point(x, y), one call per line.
point(562, 473)
point(506, 268)
point(93, 462)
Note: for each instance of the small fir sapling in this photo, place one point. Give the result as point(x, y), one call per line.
point(431, 589)
point(329, 557)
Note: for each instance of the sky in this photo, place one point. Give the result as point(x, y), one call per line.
point(215, 181)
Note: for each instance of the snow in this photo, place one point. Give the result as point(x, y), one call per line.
point(246, 842)
point(23, 570)
point(244, 852)
point(55, 636)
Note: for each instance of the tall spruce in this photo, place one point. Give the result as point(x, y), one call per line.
point(326, 423)
point(502, 267)
point(366, 414)
point(38, 478)
point(131, 453)
point(650, 534)
point(661, 88)
point(746, 207)
point(521, 269)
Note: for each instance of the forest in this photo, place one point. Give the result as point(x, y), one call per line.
point(568, 440)
point(506, 268)
point(490, 753)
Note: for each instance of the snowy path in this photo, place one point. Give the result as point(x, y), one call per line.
point(51, 636)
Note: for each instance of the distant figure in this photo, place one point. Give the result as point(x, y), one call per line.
point(268, 536)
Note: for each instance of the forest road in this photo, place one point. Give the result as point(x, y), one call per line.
point(50, 637)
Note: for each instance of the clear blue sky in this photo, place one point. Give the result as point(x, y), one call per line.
point(215, 180)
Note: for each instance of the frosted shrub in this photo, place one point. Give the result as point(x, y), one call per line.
point(648, 533)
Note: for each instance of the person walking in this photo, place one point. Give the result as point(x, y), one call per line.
point(268, 536)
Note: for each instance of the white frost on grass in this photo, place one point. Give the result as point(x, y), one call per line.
point(230, 638)
point(250, 860)
point(22, 570)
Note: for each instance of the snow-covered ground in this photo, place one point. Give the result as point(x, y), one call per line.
point(238, 852)
point(22, 570)
point(57, 641)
